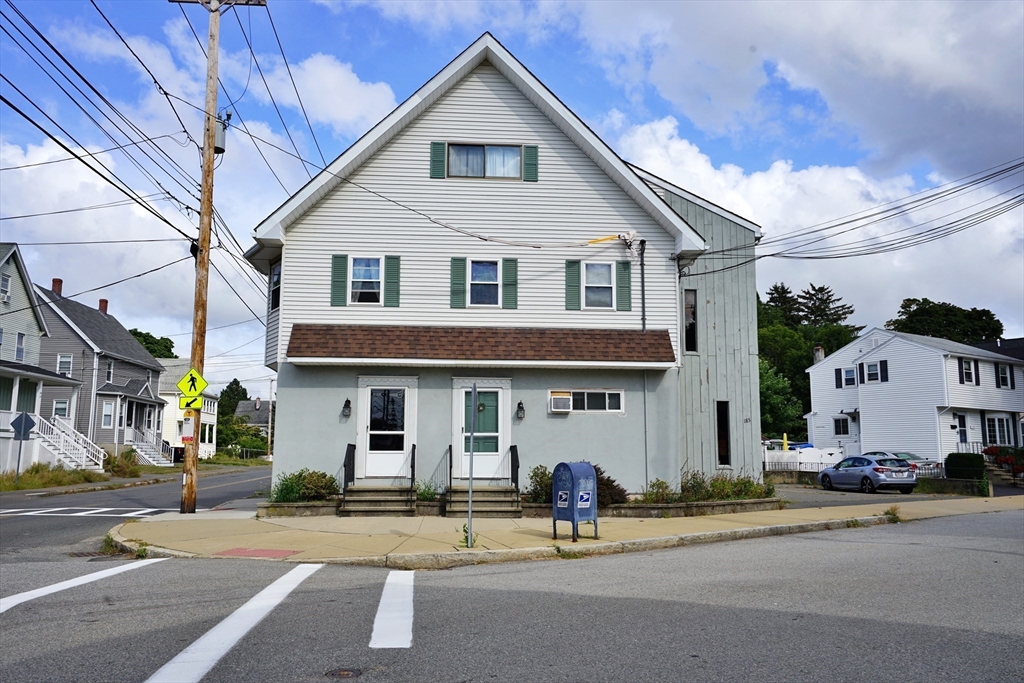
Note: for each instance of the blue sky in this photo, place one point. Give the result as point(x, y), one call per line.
point(786, 113)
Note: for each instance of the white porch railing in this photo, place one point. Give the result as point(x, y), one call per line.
point(5, 420)
point(71, 447)
point(94, 454)
point(148, 450)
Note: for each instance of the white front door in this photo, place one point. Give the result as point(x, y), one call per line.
point(490, 440)
point(388, 419)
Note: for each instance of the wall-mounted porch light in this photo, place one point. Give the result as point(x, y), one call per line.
point(520, 411)
point(346, 410)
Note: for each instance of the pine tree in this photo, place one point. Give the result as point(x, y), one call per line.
point(783, 306)
point(229, 398)
point(820, 306)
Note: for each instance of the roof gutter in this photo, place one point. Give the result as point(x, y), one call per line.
point(455, 362)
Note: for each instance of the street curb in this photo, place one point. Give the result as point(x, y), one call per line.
point(115, 487)
point(463, 558)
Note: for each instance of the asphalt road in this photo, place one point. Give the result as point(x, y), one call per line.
point(936, 600)
point(53, 535)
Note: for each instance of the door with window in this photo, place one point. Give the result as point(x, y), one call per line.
point(490, 438)
point(387, 414)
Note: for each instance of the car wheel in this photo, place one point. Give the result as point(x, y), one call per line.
point(907, 490)
point(826, 483)
point(866, 486)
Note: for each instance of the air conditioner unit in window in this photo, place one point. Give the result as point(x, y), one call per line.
point(561, 402)
point(6, 298)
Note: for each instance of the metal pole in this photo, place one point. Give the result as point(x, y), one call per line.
point(472, 432)
point(270, 423)
point(191, 466)
point(643, 288)
point(18, 470)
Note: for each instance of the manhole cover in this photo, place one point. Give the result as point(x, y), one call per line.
point(344, 673)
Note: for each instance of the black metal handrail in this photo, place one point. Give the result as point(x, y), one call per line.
point(450, 458)
point(514, 474)
point(412, 469)
point(350, 467)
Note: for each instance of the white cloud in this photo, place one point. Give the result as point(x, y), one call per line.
point(982, 267)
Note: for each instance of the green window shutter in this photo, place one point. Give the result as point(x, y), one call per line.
point(623, 287)
point(510, 283)
point(339, 279)
point(392, 280)
point(530, 163)
point(572, 285)
point(458, 298)
point(437, 154)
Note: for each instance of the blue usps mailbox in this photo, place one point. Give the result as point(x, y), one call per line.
point(573, 496)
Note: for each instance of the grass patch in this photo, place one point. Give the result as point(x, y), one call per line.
point(892, 513)
point(853, 524)
point(223, 459)
point(41, 476)
point(465, 537)
point(564, 554)
point(124, 466)
point(109, 547)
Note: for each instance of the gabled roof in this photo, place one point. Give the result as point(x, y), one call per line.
point(269, 234)
point(133, 388)
point(256, 417)
point(1008, 347)
point(100, 330)
point(955, 348)
point(10, 250)
point(696, 199)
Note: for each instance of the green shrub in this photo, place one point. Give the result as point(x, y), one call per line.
point(318, 486)
point(426, 491)
point(302, 486)
point(123, 465)
point(609, 492)
point(965, 466)
point(696, 487)
point(540, 485)
point(658, 492)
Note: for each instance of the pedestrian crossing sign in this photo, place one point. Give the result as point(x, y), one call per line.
point(192, 384)
point(190, 402)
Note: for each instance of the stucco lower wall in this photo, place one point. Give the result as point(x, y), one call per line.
point(311, 432)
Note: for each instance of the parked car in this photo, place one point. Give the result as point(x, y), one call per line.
point(870, 472)
point(915, 461)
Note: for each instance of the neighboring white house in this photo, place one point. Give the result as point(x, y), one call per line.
point(174, 415)
point(891, 390)
point(481, 234)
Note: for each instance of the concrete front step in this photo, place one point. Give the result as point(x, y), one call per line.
point(378, 501)
point(488, 501)
point(359, 511)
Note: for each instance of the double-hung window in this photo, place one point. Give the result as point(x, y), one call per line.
point(64, 364)
point(484, 283)
point(60, 408)
point(108, 414)
point(1003, 376)
point(19, 349)
point(366, 280)
point(872, 372)
point(5, 288)
point(849, 377)
point(841, 426)
point(275, 286)
point(485, 161)
point(968, 369)
point(598, 289)
point(110, 371)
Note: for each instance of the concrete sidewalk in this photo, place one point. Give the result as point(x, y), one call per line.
point(438, 542)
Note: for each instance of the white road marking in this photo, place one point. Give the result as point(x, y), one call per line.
point(140, 513)
point(197, 659)
point(9, 602)
point(392, 627)
point(45, 510)
point(90, 512)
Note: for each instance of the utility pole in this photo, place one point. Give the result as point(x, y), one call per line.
point(198, 357)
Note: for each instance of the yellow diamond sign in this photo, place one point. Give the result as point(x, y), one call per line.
point(192, 384)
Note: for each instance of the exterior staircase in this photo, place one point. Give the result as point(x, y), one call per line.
point(488, 501)
point(997, 475)
point(147, 452)
point(70, 447)
point(378, 501)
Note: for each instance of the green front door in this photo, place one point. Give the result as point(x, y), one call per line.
point(487, 440)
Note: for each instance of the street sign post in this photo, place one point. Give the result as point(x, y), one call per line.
point(22, 426)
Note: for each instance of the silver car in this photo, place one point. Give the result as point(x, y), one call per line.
point(869, 473)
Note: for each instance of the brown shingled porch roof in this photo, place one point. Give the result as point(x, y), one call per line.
point(530, 346)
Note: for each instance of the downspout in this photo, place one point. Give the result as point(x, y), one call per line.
point(92, 397)
point(643, 296)
point(647, 476)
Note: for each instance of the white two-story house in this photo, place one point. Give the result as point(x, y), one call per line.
point(896, 391)
point(482, 235)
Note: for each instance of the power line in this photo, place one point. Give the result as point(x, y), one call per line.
point(46, 244)
point(219, 327)
point(292, 79)
point(87, 154)
point(122, 202)
point(232, 287)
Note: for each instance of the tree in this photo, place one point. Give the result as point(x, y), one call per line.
point(946, 321)
point(159, 347)
point(790, 353)
point(784, 306)
point(780, 410)
point(820, 306)
point(229, 398)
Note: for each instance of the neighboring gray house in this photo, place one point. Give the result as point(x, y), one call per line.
point(119, 406)
point(256, 413)
point(897, 391)
point(481, 234)
point(23, 380)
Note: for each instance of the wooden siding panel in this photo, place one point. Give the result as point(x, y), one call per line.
point(573, 201)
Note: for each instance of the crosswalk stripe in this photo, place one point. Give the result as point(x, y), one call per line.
point(10, 601)
point(45, 510)
point(140, 513)
point(392, 627)
point(197, 659)
point(84, 512)
point(90, 512)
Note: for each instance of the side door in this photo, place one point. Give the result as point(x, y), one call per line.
point(387, 421)
point(841, 475)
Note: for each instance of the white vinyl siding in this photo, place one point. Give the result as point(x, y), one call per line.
point(483, 108)
point(18, 316)
point(986, 396)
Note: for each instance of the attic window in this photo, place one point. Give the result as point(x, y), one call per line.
point(484, 161)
